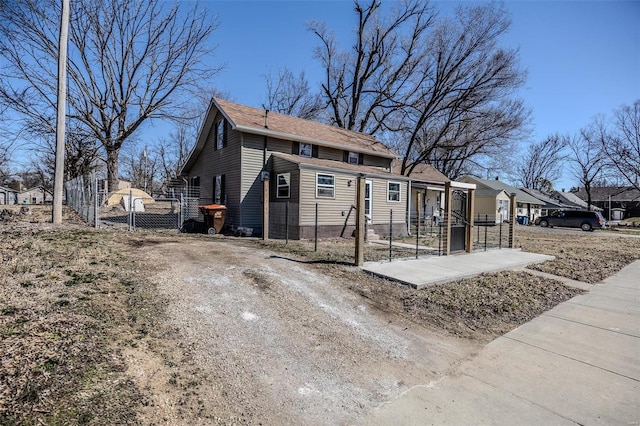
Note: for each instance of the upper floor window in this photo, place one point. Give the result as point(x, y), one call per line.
point(393, 192)
point(353, 158)
point(305, 150)
point(220, 135)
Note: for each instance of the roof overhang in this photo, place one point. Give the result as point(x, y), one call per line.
point(303, 139)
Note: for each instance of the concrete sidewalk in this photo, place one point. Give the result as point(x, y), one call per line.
point(578, 363)
point(441, 269)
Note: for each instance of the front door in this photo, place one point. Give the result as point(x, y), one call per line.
point(458, 220)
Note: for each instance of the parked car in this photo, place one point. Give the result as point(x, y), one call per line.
point(585, 220)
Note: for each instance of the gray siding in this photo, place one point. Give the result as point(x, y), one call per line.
point(251, 187)
point(381, 207)
point(225, 161)
point(334, 211)
point(330, 211)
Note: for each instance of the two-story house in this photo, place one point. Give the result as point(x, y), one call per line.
point(311, 168)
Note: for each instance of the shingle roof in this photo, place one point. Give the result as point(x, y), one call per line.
point(521, 196)
point(252, 120)
point(549, 200)
point(617, 193)
point(422, 173)
point(572, 198)
point(332, 164)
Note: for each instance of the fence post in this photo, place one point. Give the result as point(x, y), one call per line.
point(500, 240)
point(315, 244)
point(286, 223)
point(512, 220)
point(479, 229)
point(486, 220)
point(129, 215)
point(390, 233)
point(96, 195)
point(360, 221)
point(418, 204)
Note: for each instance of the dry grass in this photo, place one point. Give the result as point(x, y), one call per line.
point(69, 302)
point(588, 257)
point(73, 299)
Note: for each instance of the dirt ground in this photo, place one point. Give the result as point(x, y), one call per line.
point(280, 342)
point(166, 328)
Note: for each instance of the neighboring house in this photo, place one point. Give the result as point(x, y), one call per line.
point(306, 164)
point(551, 203)
point(572, 199)
point(527, 205)
point(430, 184)
point(617, 202)
point(8, 196)
point(492, 205)
point(37, 195)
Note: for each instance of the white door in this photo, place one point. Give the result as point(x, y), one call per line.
point(368, 187)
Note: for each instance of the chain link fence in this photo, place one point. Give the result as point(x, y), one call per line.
point(128, 208)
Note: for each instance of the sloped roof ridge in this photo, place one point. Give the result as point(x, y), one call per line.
point(248, 117)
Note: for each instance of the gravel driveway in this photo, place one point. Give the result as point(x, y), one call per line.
point(281, 342)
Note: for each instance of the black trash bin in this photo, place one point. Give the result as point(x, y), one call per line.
point(214, 217)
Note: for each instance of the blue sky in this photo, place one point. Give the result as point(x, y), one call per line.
point(582, 57)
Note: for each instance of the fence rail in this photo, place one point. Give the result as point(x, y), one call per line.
point(95, 206)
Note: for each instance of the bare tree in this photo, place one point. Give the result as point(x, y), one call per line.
point(465, 106)
point(363, 86)
point(129, 62)
point(442, 89)
point(588, 158)
point(621, 143)
point(175, 149)
point(291, 95)
point(541, 165)
point(142, 168)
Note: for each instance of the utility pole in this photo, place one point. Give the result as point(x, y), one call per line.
point(60, 120)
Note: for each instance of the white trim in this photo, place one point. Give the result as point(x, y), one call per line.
point(463, 185)
point(310, 145)
point(356, 157)
point(288, 184)
point(333, 186)
point(370, 183)
point(389, 182)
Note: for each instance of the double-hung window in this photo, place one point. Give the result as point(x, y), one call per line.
point(305, 150)
point(325, 186)
point(393, 192)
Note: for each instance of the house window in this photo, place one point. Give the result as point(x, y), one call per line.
point(325, 186)
point(219, 195)
point(353, 158)
point(284, 185)
point(393, 192)
point(305, 150)
point(220, 136)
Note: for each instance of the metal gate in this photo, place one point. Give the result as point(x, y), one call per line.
point(458, 220)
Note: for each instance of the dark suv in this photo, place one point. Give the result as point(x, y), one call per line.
point(585, 220)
